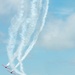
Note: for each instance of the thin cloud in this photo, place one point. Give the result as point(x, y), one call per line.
point(4, 6)
point(59, 34)
point(7, 5)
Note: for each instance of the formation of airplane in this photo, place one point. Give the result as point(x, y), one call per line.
point(12, 72)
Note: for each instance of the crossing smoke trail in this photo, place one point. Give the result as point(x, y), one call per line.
point(25, 38)
point(32, 23)
point(13, 31)
point(35, 37)
point(15, 54)
point(29, 29)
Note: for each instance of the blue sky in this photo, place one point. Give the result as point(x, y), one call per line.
point(54, 52)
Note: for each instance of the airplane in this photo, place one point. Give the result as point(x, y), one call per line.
point(5, 66)
point(12, 72)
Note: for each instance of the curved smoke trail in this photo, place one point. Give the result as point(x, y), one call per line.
point(25, 38)
point(13, 31)
point(31, 28)
point(36, 36)
point(32, 24)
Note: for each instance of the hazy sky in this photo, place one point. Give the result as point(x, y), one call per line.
point(54, 52)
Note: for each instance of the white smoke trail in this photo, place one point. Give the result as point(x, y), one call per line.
point(15, 54)
point(36, 36)
point(21, 68)
point(13, 31)
point(33, 22)
point(32, 44)
point(40, 5)
point(23, 42)
point(25, 39)
point(31, 29)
